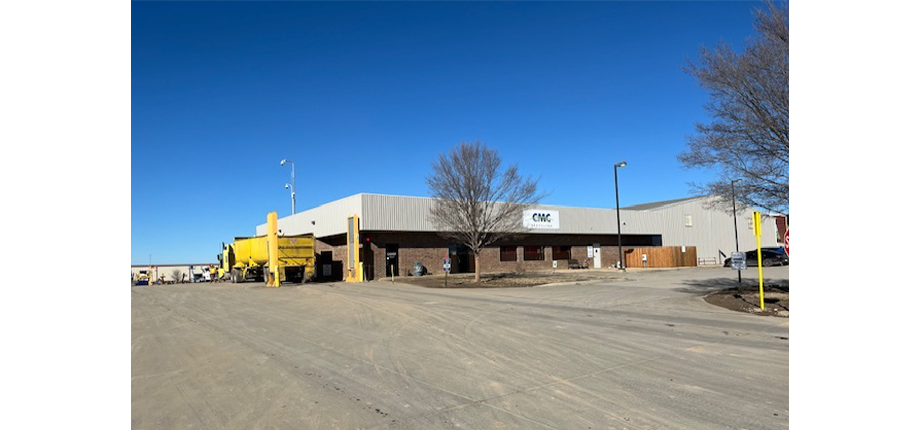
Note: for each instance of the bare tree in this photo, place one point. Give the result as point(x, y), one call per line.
point(477, 203)
point(176, 275)
point(748, 137)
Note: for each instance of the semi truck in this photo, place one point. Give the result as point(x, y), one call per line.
point(247, 258)
point(143, 277)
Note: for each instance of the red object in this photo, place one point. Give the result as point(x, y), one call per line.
point(786, 241)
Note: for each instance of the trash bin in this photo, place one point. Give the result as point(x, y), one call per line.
point(418, 269)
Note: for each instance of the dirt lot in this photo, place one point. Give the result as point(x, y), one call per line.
point(640, 350)
point(497, 280)
point(775, 298)
point(776, 295)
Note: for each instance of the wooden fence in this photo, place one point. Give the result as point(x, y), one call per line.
point(661, 256)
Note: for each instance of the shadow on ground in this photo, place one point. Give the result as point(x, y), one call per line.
point(726, 293)
point(494, 280)
point(705, 286)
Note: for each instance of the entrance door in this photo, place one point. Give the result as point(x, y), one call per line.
point(462, 260)
point(597, 256)
point(392, 260)
point(368, 257)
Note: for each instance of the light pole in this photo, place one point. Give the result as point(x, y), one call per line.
point(616, 186)
point(735, 216)
point(291, 185)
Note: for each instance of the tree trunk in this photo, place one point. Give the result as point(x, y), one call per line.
point(476, 258)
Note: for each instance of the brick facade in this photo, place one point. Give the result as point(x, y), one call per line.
point(430, 249)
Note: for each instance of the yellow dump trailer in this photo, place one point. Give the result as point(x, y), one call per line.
point(247, 258)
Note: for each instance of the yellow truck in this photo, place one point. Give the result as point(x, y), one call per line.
point(247, 258)
point(143, 277)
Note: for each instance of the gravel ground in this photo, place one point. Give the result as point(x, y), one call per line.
point(747, 299)
point(643, 351)
point(503, 280)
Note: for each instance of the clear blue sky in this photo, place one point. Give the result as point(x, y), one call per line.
point(363, 96)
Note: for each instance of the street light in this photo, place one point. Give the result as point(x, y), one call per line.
point(291, 185)
point(616, 186)
point(735, 216)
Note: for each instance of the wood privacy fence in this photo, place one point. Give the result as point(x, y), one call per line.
point(661, 256)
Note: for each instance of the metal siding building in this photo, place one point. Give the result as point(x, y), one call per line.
point(165, 270)
point(683, 222)
point(380, 212)
point(710, 229)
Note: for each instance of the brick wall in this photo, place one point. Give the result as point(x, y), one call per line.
point(430, 249)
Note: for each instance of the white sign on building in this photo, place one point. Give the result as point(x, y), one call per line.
point(541, 219)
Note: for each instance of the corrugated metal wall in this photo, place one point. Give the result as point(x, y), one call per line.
point(326, 220)
point(399, 213)
point(710, 230)
point(396, 213)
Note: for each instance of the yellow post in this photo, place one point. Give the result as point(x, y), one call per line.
point(353, 270)
point(273, 280)
point(759, 257)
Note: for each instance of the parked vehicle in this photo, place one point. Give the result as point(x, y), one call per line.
point(770, 257)
point(778, 249)
point(247, 258)
point(143, 278)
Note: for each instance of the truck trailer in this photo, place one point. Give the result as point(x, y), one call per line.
point(247, 258)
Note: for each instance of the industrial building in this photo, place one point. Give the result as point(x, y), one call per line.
point(164, 272)
point(396, 232)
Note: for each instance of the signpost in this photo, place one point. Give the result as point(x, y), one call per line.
point(738, 261)
point(446, 270)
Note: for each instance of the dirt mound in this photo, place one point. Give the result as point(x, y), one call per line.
point(776, 300)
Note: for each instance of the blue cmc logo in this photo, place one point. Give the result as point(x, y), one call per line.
point(542, 217)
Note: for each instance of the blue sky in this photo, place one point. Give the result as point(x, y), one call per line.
point(363, 96)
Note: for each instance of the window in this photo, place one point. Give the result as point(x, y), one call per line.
point(562, 252)
point(508, 253)
point(533, 253)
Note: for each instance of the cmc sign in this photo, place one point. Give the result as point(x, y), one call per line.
point(541, 218)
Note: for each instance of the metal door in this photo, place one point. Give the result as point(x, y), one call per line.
point(597, 256)
point(392, 260)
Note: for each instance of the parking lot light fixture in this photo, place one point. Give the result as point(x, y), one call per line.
point(293, 193)
point(616, 186)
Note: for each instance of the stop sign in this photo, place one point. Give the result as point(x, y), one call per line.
point(786, 242)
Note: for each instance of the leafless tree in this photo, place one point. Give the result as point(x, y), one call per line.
point(176, 275)
point(748, 137)
point(477, 201)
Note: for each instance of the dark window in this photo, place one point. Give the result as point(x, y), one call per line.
point(562, 252)
point(509, 253)
point(533, 253)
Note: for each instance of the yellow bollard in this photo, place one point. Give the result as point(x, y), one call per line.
point(273, 279)
point(353, 269)
point(759, 256)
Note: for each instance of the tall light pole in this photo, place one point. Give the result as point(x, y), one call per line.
point(735, 216)
point(293, 194)
point(616, 186)
point(290, 187)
